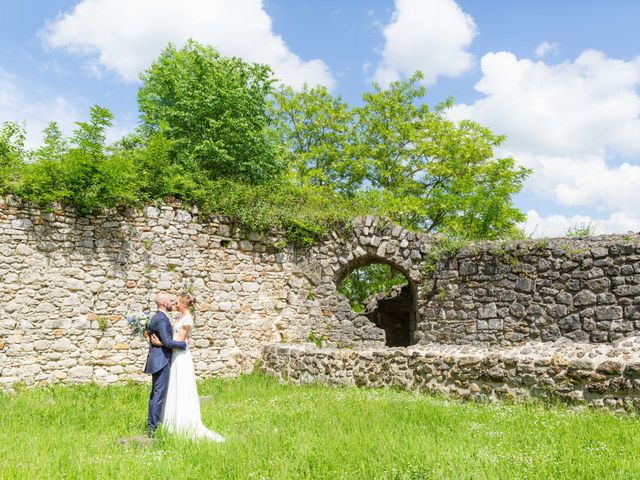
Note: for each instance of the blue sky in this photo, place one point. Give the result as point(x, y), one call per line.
point(560, 78)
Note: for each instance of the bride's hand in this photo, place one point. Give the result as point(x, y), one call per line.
point(156, 341)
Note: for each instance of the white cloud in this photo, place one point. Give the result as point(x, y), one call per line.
point(568, 122)
point(583, 106)
point(36, 111)
point(18, 106)
point(558, 225)
point(127, 35)
point(546, 47)
point(427, 35)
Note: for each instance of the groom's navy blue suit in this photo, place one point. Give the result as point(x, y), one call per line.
point(159, 365)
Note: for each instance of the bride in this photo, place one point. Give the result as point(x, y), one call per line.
point(181, 412)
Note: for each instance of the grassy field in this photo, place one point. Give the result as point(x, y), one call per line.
point(285, 432)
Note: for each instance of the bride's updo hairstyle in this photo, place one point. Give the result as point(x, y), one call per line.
point(188, 299)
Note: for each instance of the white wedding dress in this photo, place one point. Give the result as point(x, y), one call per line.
point(181, 413)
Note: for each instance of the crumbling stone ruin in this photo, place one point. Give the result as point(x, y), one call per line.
point(552, 317)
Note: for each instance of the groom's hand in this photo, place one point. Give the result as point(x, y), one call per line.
point(156, 341)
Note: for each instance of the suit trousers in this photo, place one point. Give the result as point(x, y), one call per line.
point(159, 385)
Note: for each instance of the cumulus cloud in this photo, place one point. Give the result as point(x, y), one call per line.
point(573, 107)
point(540, 226)
point(572, 123)
point(126, 35)
point(428, 35)
point(18, 106)
point(546, 47)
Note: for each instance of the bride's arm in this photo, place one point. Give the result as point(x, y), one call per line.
point(182, 334)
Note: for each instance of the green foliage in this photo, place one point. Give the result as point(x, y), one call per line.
point(444, 248)
point(317, 339)
point(213, 109)
point(314, 132)
point(302, 213)
point(103, 323)
point(214, 133)
point(302, 234)
point(429, 172)
point(581, 230)
point(79, 171)
point(372, 279)
point(12, 155)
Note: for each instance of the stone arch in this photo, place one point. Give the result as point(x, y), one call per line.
point(397, 312)
point(367, 240)
point(363, 261)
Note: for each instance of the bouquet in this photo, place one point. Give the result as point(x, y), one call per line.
point(139, 324)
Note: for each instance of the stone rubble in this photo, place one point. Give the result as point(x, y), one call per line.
point(602, 376)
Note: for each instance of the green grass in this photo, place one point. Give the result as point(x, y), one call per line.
point(285, 432)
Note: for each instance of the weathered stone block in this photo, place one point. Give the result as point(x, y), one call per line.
point(557, 311)
point(584, 298)
point(609, 367)
point(608, 312)
point(81, 372)
point(599, 285)
point(524, 284)
point(570, 323)
point(495, 324)
point(564, 298)
point(21, 224)
point(488, 311)
point(627, 290)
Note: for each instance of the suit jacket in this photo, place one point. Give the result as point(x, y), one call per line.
point(159, 357)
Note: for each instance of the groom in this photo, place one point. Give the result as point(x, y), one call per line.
point(159, 358)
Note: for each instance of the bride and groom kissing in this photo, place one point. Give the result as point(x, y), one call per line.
point(174, 401)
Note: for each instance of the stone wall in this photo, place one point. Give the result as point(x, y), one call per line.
point(586, 290)
point(68, 282)
point(597, 375)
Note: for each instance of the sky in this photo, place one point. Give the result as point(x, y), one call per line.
point(559, 78)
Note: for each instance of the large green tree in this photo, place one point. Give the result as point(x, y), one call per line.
point(213, 109)
point(313, 131)
point(413, 163)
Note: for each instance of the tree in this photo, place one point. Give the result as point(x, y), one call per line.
point(444, 171)
point(313, 129)
point(213, 109)
point(54, 146)
point(411, 162)
point(12, 155)
point(372, 279)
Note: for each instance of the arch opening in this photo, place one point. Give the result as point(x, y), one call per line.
point(384, 294)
